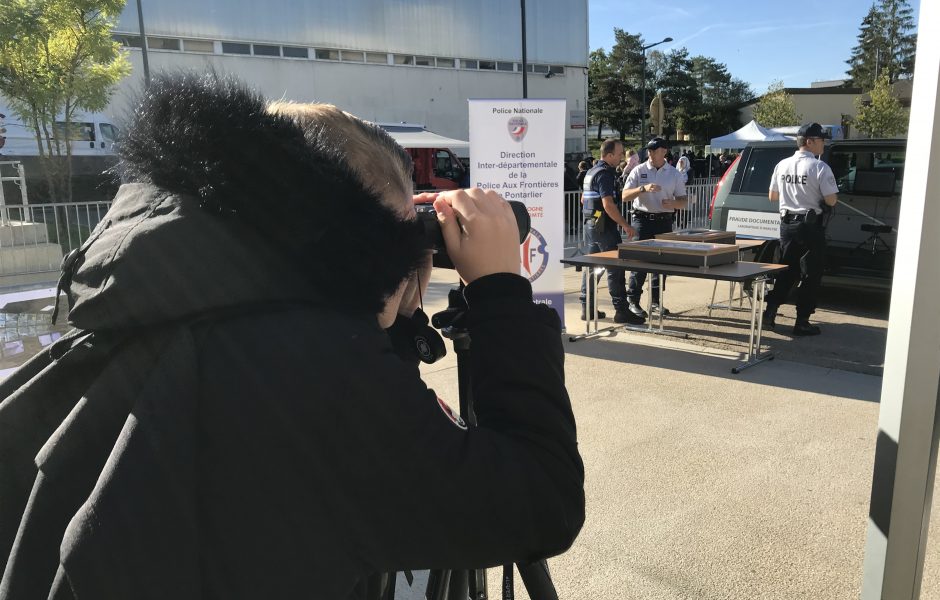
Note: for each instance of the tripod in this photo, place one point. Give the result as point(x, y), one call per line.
point(875, 238)
point(464, 584)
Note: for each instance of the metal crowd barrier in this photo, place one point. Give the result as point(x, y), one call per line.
point(35, 237)
point(696, 215)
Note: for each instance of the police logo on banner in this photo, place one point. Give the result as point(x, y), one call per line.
point(534, 254)
point(518, 127)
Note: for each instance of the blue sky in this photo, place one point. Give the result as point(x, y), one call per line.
point(797, 41)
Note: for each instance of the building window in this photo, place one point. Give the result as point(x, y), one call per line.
point(352, 56)
point(505, 66)
point(424, 61)
point(378, 58)
point(198, 46)
point(469, 64)
point(556, 70)
point(295, 52)
point(128, 41)
point(265, 50)
point(157, 43)
point(445, 62)
point(233, 48)
point(326, 54)
point(404, 59)
point(487, 65)
point(542, 69)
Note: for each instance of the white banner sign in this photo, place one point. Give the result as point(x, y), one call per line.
point(754, 224)
point(517, 149)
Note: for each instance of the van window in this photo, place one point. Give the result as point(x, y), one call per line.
point(79, 132)
point(760, 167)
point(444, 166)
point(109, 132)
point(868, 171)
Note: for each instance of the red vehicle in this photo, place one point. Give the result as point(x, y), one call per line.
point(436, 167)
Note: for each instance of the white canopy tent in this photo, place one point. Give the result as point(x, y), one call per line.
point(412, 135)
point(836, 132)
point(752, 132)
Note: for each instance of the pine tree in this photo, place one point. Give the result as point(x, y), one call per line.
point(886, 44)
point(900, 43)
point(865, 56)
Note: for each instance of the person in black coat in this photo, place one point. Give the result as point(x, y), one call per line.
point(234, 416)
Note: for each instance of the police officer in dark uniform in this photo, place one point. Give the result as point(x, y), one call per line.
point(802, 184)
point(602, 216)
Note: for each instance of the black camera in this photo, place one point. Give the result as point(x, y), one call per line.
point(427, 216)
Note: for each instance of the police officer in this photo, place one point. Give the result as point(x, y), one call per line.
point(657, 190)
point(602, 216)
point(801, 184)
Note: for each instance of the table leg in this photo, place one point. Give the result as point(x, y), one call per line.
point(662, 301)
point(731, 298)
point(757, 322)
point(649, 312)
point(591, 300)
point(711, 304)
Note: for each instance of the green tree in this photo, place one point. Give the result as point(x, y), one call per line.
point(776, 108)
point(721, 95)
point(886, 44)
point(57, 57)
point(674, 79)
point(614, 81)
point(883, 116)
point(700, 95)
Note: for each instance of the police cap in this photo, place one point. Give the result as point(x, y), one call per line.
point(813, 130)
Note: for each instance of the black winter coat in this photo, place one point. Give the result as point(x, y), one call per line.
point(230, 432)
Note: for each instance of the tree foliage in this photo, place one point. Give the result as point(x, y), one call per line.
point(776, 108)
point(721, 96)
point(615, 83)
point(700, 95)
point(883, 116)
point(886, 45)
point(56, 58)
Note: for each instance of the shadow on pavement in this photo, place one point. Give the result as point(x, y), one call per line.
point(636, 349)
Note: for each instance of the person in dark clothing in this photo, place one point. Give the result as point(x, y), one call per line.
point(804, 186)
point(232, 426)
point(602, 217)
point(583, 168)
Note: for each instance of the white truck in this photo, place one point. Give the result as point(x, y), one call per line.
point(92, 134)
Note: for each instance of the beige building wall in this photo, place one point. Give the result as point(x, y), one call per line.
point(816, 106)
point(826, 109)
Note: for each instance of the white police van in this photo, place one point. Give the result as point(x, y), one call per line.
point(90, 134)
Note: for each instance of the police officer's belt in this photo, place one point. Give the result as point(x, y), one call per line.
point(809, 217)
point(650, 216)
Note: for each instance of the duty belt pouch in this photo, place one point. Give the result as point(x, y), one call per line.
point(811, 217)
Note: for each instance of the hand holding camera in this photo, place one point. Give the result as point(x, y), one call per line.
point(481, 232)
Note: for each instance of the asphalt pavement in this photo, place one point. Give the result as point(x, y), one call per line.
point(702, 484)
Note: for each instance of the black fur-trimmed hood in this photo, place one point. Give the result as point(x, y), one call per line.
point(226, 205)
